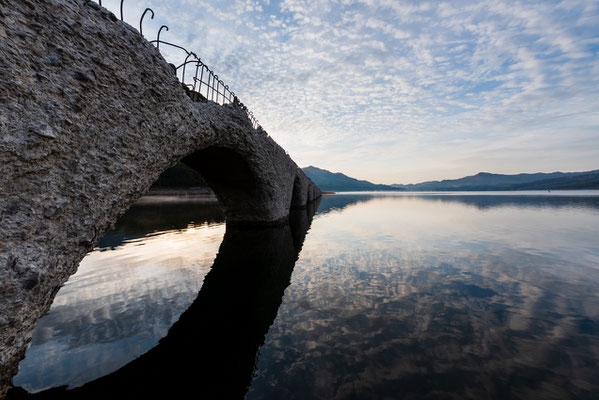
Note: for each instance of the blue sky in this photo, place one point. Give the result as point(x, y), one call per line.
point(405, 91)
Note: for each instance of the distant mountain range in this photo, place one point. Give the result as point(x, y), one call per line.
point(338, 182)
point(483, 181)
point(181, 175)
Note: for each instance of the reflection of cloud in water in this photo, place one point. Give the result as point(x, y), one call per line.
point(559, 199)
point(388, 221)
point(118, 305)
point(514, 200)
point(420, 297)
point(339, 202)
point(416, 323)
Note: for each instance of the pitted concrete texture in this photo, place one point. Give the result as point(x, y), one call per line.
point(90, 115)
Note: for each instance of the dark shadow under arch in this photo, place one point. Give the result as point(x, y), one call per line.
point(225, 170)
point(236, 185)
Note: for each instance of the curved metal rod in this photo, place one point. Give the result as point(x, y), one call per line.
point(211, 87)
point(214, 79)
point(158, 37)
point(213, 84)
point(221, 84)
point(141, 20)
point(208, 87)
point(210, 84)
point(171, 44)
point(217, 85)
point(201, 80)
point(185, 63)
point(199, 64)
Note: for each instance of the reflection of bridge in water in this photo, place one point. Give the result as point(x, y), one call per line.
point(212, 349)
point(90, 115)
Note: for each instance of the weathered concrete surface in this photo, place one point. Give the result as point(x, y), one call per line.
point(90, 115)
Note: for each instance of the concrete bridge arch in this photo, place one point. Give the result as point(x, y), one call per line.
point(90, 115)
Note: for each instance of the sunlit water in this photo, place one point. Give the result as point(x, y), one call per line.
point(490, 295)
point(125, 295)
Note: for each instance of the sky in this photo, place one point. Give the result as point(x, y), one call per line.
point(399, 91)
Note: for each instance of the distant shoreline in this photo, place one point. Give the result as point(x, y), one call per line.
point(180, 191)
point(203, 195)
point(554, 193)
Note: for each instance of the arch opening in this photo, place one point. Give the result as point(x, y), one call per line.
point(238, 188)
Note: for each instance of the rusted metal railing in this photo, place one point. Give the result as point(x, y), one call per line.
point(204, 84)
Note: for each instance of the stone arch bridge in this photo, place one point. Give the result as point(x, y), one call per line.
point(90, 115)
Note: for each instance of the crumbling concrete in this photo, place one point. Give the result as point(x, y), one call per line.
point(90, 115)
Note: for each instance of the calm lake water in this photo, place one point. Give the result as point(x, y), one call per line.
point(393, 295)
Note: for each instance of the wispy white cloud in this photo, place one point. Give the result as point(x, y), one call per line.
point(400, 91)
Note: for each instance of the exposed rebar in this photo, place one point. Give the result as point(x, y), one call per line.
point(216, 90)
point(141, 20)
